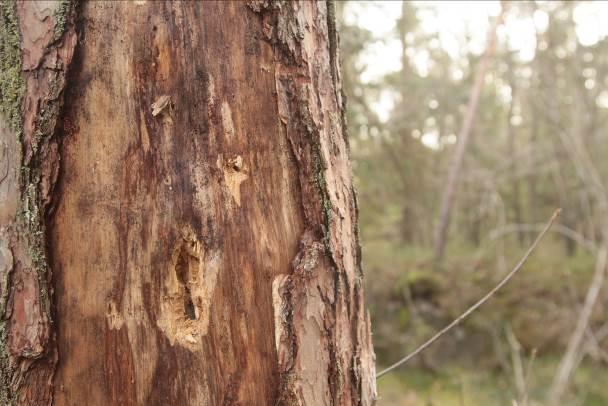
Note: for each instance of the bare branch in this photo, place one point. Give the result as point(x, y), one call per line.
point(558, 228)
point(480, 302)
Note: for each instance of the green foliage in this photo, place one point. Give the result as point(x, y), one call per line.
point(5, 371)
point(518, 169)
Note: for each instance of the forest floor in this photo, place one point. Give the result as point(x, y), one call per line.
point(528, 323)
point(462, 387)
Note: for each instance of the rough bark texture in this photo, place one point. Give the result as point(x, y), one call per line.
point(37, 47)
point(193, 200)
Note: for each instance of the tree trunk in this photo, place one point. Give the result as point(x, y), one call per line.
point(454, 170)
point(512, 148)
point(178, 222)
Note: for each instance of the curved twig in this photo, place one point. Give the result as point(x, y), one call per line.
point(558, 228)
point(480, 302)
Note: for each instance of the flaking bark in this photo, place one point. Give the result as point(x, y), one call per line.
point(191, 207)
point(38, 40)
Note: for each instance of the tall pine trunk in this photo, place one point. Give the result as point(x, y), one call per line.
point(177, 218)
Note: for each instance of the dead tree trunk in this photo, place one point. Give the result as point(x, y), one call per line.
point(177, 218)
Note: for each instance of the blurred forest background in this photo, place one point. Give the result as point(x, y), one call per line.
point(538, 142)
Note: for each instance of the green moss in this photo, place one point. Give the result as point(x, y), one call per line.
point(12, 85)
point(32, 227)
point(61, 18)
point(319, 170)
point(31, 216)
point(321, 184)
point(46, 120)
point(12, 88)
point(5, 370)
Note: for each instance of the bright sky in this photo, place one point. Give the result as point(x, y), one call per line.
point(452, 20)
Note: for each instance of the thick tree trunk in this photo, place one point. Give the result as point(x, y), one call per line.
point(183, 230)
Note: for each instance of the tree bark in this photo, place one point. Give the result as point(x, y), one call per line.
point(178, 223)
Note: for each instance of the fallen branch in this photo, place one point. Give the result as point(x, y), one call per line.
point(569, 361)
point(480, 302)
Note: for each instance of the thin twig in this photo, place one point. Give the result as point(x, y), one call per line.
point(481, 301)
point(558, 228)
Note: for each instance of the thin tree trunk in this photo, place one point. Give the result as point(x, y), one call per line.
point(533, 193)
point(515, 193)
point(462, 144)
point(183, 231)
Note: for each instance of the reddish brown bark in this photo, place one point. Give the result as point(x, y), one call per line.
point(31, 159)
point(202, 237)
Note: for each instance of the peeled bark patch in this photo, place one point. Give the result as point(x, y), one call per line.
point(235, 173)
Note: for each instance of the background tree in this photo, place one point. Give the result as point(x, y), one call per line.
point(538, 143)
